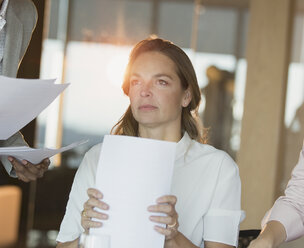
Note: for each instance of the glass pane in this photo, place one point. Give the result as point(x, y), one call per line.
point(100, 35)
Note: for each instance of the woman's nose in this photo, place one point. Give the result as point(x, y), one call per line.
point(146, 90)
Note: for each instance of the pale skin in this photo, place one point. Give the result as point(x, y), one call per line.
point(272, 236)
point(156, 98)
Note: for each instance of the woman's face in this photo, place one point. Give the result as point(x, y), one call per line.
point(156, 94)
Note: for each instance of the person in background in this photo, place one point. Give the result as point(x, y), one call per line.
point(17, 22)
point(285, 220)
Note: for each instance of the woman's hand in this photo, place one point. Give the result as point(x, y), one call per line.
point(272, 236)
point(166, 205)
point(260, 243)
point(88, 212)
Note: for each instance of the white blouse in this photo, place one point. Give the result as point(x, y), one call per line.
point(206, 183)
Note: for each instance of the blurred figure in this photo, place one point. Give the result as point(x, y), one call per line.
point(294, 134)
point(17, 22)
point(284, 222)
point(218, 109)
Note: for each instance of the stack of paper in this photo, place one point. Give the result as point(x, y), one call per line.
point(132, 173)
point(35, 155)
point(21, 100)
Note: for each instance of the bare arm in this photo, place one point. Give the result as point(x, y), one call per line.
point(72, 244)
point(272, 236)
point(180, 241)
point(87, 214)
point(209, 244)
point(174, 238)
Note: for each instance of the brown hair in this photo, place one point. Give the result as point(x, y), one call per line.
point(191, 123)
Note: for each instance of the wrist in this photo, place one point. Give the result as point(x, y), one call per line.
point(173, 242)
point(179, 241)
point(266, 239)
point(273, 234)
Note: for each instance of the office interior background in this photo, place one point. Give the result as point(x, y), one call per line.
point(248, 56)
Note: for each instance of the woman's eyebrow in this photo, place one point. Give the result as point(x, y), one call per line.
point(155, 76)
point(134, 75)
point(163, 75)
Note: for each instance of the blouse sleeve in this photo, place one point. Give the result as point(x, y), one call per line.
point(70, 228)
point(221, 222)
point(289, 209)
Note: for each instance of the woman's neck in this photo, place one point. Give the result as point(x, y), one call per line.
point(160, 133)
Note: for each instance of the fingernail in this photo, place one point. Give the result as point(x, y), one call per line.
point(24, 162)
point(10, 159)
point(105, 217)
point(157, 228)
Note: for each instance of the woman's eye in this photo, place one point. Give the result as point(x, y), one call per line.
point(162, 82)
point(134, 82)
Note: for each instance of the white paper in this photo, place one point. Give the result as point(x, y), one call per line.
point(35, 155)
point(21, 100)
point(132, 173)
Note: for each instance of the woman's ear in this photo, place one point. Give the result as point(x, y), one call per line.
point(187, 98)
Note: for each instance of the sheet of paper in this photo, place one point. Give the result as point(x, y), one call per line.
point(35, 155)
point(21, 100)
point(132, 173)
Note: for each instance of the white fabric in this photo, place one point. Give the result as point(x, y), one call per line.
point(207, 185)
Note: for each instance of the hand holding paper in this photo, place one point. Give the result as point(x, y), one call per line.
point(35, 155)
point(30, 163)
point(27, 171)
point(132, 173)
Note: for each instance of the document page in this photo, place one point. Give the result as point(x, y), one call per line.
point(21, 100)
point(35, 155)
point(132, 173)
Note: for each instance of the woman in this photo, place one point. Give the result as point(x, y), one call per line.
point(164, 98)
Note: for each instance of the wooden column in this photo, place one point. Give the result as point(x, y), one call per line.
point(262, 135)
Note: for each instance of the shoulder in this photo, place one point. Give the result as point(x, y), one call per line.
point(26, 11)
point(210, 154)
point(92, 155)
point(85, 175)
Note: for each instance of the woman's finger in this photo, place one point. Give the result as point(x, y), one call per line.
point(94, 193)
point(162, 208)
point(168, 220)
point(170, 199)
point(90, 213)
point(93, 202)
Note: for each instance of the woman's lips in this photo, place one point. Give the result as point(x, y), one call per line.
point(147, 107)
